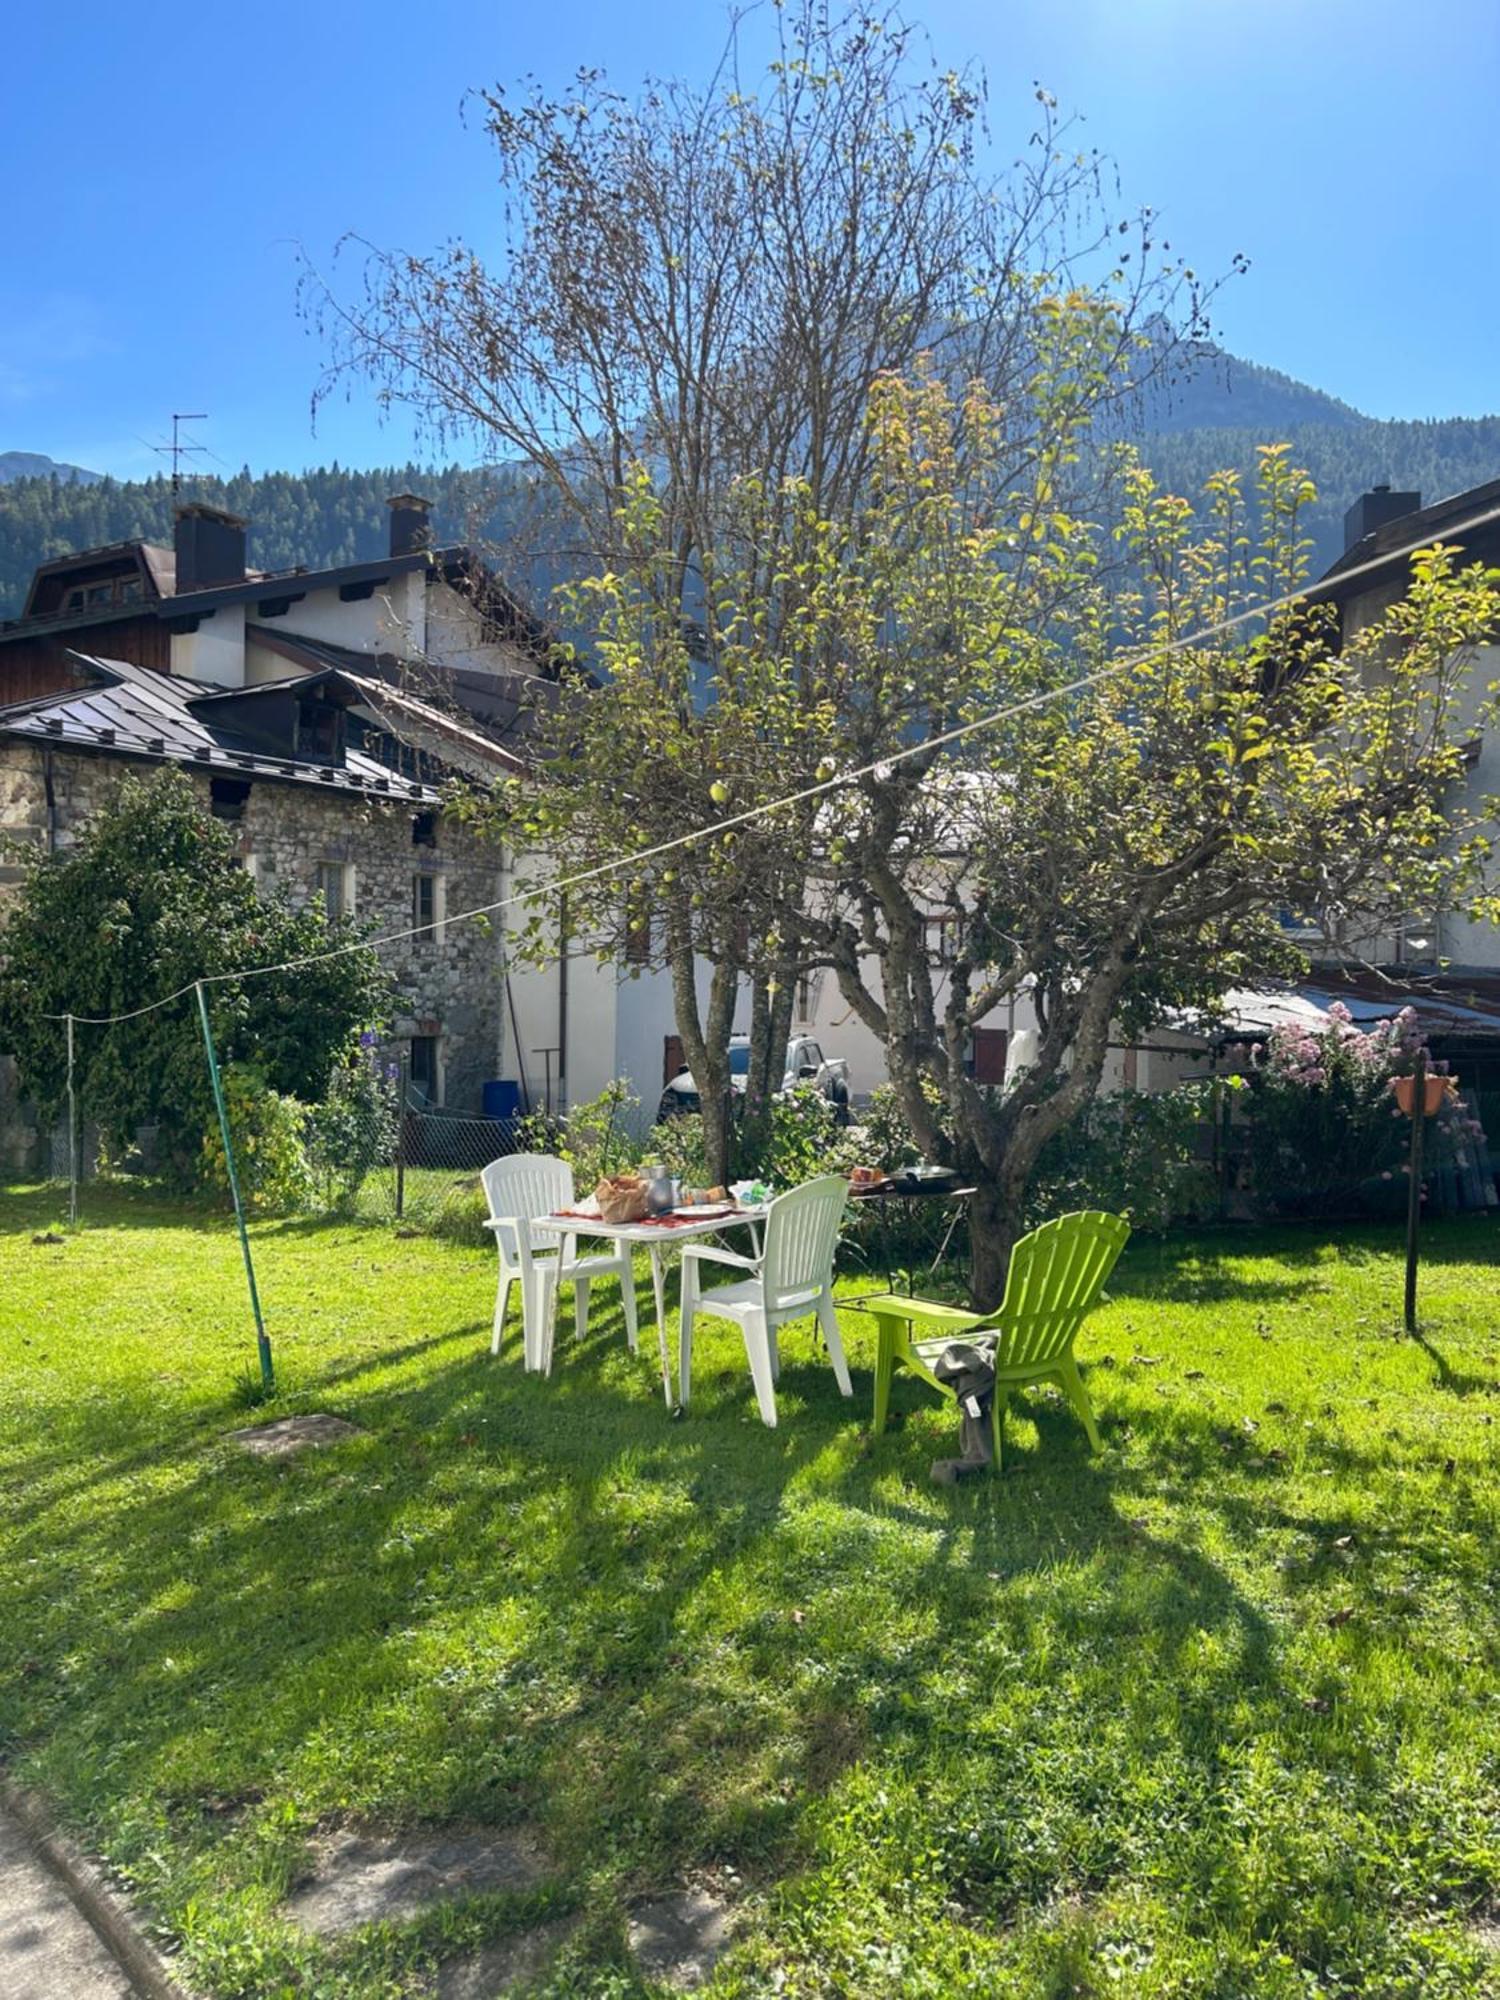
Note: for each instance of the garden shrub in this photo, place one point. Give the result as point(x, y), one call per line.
point(150, 898)
point(595, 1138)
point(266, 1128)
point(888, 1140)
point(795, 1139)
point(1323, 1131)
point(1134, 1154)
point(677, 1144)
point(353, 1128)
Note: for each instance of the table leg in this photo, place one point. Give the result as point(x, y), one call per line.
point(659, 1287)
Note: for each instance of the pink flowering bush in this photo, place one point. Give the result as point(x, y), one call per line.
point(1325, 1133)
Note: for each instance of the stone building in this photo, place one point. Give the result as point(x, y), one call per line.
point(319, 714)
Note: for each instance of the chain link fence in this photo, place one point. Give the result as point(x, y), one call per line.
point(431, 1179)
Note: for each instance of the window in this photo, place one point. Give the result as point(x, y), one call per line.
point(228, 797)
point(99, 596)
point(424, 1075)
point(424, 829)
point(320, 732)
point(943, 937)
point(638, 936)
point(989, 1057)
point(423, 903)
point(336, 886)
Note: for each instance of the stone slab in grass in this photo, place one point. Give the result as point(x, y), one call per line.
point(362, 1878)
point(288, 1434)
point(500, 1967)
point(679, 1939)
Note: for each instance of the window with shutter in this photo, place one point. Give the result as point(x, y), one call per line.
point(989, 1057)
point(638, 938)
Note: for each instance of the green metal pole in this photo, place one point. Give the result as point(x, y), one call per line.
point(72, 1135)
point(1414, 1186)
point(267, 1373)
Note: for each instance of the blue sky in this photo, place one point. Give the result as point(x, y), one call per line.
point(161, 164)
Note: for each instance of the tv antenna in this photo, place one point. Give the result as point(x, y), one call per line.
point(180, 447)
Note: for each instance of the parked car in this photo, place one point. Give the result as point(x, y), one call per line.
point(805, 1064)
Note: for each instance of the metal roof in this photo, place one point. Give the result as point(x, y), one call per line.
point(506, 705)
point(139, 712)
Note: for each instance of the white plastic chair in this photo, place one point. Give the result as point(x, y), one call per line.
point(792, 1276)
point(519, 1189)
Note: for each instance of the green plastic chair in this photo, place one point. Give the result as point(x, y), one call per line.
point(1056, 1275)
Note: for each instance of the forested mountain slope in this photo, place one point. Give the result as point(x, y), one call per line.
point(1213, 419)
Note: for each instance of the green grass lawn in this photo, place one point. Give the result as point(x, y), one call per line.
point(1216, 1712)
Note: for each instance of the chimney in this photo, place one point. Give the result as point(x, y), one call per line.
point(410, 528)
point(210, 547)
point(1373, 509)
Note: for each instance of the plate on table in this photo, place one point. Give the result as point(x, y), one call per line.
point(700, 1211)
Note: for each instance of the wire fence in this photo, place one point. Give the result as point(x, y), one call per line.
point(434, 1165)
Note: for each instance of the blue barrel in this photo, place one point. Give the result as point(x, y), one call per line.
point(502, 1098)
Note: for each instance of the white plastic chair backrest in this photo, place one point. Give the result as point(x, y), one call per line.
point(526, 1185)
point(802, 1228)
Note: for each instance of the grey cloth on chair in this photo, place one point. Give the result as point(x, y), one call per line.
point(970, 1374)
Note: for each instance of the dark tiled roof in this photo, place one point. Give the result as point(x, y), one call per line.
point(1391, 544)
point(140, 713)
point(461, 567)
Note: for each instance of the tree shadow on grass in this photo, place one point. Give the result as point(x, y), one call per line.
point(1457, 1381)
point(513, 1597)
point(1211, 1264)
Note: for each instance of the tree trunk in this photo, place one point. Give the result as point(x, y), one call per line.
point(994, 1229)
point(758, 1081)
point(781, 1022)
point(705, 1040)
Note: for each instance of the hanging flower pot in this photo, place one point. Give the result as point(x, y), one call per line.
point(1437, 1087)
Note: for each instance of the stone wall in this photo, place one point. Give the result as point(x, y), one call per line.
point(447, 985)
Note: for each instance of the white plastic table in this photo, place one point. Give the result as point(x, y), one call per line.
point(657, 1238)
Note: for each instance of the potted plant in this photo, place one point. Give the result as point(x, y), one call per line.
point(1436, 1088)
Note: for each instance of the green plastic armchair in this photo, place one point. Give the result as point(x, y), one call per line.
point(1056, 1275)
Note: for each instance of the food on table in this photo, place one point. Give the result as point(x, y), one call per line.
point(621, 1198)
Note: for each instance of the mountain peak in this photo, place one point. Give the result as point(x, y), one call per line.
point(37, 465)
point(1206, 388)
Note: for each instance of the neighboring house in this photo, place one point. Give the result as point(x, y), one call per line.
point(308, 773)
point(1381, 529)
point(198, 611)
point(319, 711)
point(1445, 967)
